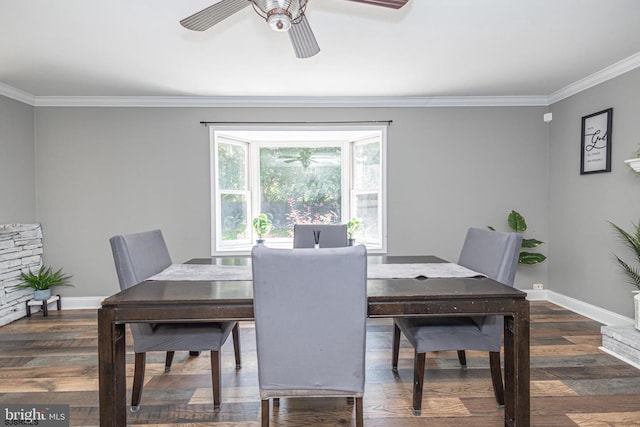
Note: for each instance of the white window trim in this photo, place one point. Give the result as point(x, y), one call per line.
point(382, 209)
point(216, 220)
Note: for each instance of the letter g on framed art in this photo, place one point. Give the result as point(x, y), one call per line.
point(595, 155)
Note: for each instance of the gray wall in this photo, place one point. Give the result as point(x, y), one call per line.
point(581, 241)
point(17, 167)
point(104, 171)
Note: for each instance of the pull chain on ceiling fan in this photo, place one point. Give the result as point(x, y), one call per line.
point(281, 15)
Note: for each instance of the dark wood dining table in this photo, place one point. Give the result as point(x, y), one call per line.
point(205, 301)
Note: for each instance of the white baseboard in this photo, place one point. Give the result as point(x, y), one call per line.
point(537, 294)
point(81, 303)
point(593, 312)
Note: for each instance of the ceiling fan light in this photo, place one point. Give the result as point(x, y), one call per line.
point(279, 20)
point(280, 14)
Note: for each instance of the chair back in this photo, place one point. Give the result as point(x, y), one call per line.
point(310, 310)
point(492, 253)
point(139, 256)
point(331, 235)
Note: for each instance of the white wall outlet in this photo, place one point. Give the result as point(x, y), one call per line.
point(538, 286)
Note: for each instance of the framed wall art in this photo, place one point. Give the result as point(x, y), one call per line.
point(595, 154)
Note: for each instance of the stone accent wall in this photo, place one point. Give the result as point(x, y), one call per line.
point(20, 250)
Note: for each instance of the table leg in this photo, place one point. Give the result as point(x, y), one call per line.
point(111, 364)
point(517, 408)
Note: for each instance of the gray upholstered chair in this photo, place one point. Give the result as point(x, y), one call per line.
point(331, 235)
point(137, 257)
point(494, 254)
point(310, 310)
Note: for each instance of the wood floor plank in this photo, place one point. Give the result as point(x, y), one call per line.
point(564, 350)
point(48, 372)
point(551, 388)
point(610, 419)
point(31, 385)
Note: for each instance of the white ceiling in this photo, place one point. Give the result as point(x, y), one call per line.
point(430, 48)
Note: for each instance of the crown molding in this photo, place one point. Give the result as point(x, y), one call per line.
point(608, 73)
point(298, 101)
point(17, 94)
point(480, 101)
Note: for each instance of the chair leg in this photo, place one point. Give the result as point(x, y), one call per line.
point(359, 412)
point(168, 361)
point(276, 402)
point(194, 353)
point(138, 381)
point(265, 412)
point(418, 380)
point(396, 347)
point(215, 378)
point(236, 344)
point(462, 358)
point(496, 377)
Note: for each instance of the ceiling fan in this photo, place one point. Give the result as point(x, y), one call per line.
point(281, 15)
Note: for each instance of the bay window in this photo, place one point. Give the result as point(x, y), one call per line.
point(296, 175)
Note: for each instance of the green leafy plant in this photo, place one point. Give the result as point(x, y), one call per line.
point(632, 241)
point(353, 226)
point(44, 278)
point(262, 225)
point(518, 224)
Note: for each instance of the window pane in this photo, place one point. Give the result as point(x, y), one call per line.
point(366, 173)
point(233, 217)
point(232, 166)
point(300, 185)
point(367, 209)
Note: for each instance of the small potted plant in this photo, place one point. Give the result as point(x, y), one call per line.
point(42, 281)
point(262, 225)
point(632, 241)
point(353, 226)
point(519, 225)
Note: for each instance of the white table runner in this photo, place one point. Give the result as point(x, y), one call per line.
point(204, 272)
point(434, 270)
point(374, 271)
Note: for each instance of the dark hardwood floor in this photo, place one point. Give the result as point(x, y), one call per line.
point(53, 360)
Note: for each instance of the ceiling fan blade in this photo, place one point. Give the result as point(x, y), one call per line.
point(207, 18)
point(302, 38)
point(394, 4)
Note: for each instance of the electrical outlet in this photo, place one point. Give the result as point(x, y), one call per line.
point(538, 286)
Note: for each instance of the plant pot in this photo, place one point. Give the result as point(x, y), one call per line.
point(351, 242)
point(42, 295)
point(260, 242)
point(636, 303)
